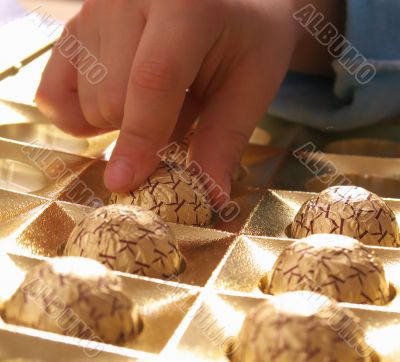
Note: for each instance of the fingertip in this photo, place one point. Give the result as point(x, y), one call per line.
point(119, 175)
point(67, 117)
point(131, 162)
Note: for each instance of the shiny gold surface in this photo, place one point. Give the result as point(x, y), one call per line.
point(213, 330)
point(276, 211)
point(364, 147)
point(260, 137)
point(47, 232)
point(90, 182)
point(44, 135)
point(16, 211)
point(250, 260)
point(12, 113)
point(38, 221)
point(162, 305)
point(376, 172)
point(50, 171)
point(48, 136)
point(25, 124)
point(190, 317)
point(385, 187)
point(20, 177)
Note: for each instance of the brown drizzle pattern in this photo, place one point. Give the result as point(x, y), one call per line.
point(351, 211)
point(275, 331)
point(128, 239)
point(61, 296)
point(173, 194)
point(333, 265)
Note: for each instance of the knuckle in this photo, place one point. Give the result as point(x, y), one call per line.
point(43, 96)
point(111, 104)
point(213, 11)
point(148, 133)
point(155, 76)
point(238, 137)
point(92, 113)
point(87, 8)
point(141, 138)
point(49, 99)
point(238, 142)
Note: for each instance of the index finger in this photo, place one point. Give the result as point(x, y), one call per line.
point(168, 58)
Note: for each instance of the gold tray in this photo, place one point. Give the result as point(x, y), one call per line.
point(49, 181)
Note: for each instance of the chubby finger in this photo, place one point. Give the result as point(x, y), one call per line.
point(227, 123)
point(87, 32)
point(117, 52)
point(167, 61)
point(57, 96)
point(189, 114)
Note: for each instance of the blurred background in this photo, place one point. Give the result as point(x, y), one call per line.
point(60, 9)
point(27, 30)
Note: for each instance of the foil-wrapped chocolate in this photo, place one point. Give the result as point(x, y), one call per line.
point(177, 153)
point(334, 265)
point(351, 211)
point(76, 297)
point(174, 194)
point(128, 239)
point(301, 327)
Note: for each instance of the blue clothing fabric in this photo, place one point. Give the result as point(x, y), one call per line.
point(343, 103)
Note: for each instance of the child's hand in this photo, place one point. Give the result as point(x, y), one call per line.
point(231, 54)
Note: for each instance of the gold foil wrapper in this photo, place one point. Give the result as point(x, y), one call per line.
point(333, 265)
point(351, 211)
point(300, 326)
point(48, 186)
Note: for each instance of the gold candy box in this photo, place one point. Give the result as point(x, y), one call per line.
point(49, 181)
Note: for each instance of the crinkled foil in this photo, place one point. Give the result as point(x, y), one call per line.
point(49, 181)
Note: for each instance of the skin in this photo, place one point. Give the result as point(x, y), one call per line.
point(231, 54)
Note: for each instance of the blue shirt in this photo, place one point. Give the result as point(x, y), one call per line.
point(343, 102)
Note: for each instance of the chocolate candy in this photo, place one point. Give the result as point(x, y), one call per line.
point(76, 297)
point(301, 327)
point(351, 211)
point(128, 239)
point(174, 194)
point(334, 265)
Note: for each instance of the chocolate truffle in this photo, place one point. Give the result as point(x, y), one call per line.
point(174, 194)
point(301, 327)
point(334, 265)
point(128, 239)
point(351, 211)
point(176, 153)
point(76, 297)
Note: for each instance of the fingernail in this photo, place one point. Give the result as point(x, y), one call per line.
point(119, 176)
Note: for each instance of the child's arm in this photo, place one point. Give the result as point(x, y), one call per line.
point(231, 54)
